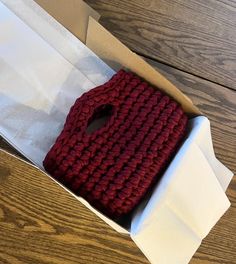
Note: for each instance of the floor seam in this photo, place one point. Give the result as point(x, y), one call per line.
point(187, 72)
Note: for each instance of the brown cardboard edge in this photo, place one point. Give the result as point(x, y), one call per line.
point(117, 56)
point(72, 14)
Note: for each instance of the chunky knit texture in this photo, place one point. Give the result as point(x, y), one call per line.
point(115, 166)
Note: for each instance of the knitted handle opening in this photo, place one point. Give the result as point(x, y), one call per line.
point(99, 118)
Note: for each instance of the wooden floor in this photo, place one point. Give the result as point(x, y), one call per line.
point(192, 43)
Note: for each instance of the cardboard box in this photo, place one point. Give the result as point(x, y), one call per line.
point(190, 198)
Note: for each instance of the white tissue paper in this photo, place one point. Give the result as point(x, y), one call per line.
point(44, 68)
point(38, 85)
point(187, 202)
point(62, 40)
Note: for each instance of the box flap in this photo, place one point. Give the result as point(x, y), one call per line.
point(117, 55)
point(184, 206)
point(72, 14)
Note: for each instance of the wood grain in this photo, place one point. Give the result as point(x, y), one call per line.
point(196, 36)
point(41, 223)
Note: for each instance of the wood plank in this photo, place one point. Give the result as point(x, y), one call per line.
point(197, 36)
point(41, 223)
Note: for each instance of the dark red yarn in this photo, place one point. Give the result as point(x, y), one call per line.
point(115, 166)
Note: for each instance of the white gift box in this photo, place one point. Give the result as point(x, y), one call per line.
point(44, 68)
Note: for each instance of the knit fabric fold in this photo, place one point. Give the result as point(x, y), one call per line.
point(115, 166)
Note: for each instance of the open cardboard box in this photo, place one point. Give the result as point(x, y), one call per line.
point(190, 198)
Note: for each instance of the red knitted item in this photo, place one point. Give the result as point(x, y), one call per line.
point(115, 166)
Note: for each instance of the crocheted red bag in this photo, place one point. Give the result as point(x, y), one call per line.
point(115, 166)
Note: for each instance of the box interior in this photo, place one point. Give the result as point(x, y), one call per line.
point(115, 54)
point(94, 38)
